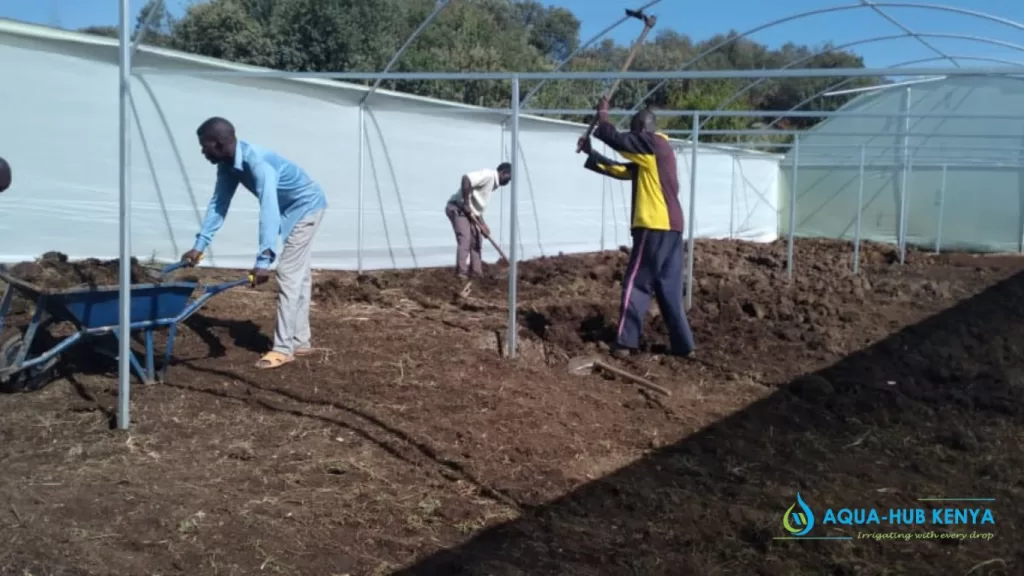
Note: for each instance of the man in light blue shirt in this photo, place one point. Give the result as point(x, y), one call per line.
point(291, 207)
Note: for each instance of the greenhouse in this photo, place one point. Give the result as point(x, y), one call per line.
point(936, 163)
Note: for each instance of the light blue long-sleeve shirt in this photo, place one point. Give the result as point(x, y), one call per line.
point(285, 192)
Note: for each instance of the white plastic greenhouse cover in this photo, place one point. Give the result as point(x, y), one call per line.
point(60, 122)
point(964, 176)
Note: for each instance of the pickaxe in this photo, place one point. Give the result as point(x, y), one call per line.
point(649, 22)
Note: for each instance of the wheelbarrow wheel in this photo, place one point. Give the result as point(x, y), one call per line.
point(30, 379)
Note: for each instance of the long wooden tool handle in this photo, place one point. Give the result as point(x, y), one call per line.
point(615, 86)
point(496, 247)
point(476, 222)
point(633, 378)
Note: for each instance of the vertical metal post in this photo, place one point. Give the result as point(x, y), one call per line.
point(604, 208)
point(732, 200)
point(125, 269)
point(694, 138)
point(942, 202)
point(792, 206)
point(513, 250)
point(902, 232)
point(359, 201)
point(860, 210)
point(501, 204)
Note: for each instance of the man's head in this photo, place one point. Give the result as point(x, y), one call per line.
point(504, 173)
point(217, 140)
point(643, 121)
point(5, 175)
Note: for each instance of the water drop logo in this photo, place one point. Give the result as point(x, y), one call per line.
point(798, 522)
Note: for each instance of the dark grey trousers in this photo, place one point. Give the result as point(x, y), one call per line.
point(468, 240)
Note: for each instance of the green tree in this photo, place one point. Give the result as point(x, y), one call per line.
point(499, 35)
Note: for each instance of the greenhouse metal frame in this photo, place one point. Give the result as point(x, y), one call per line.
point(912, 69)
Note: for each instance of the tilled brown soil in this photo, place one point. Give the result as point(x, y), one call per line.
point(406, 444)
point(54, 271)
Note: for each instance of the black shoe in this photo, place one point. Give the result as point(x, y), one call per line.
point(621, 352)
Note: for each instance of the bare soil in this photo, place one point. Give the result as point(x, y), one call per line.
point(407, 444)
point(54, 271)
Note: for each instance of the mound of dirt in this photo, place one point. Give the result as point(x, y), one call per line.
point(741, 292)
point(54, 271)
point(335, 291)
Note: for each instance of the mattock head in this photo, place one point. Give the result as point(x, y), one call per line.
point(639, 15)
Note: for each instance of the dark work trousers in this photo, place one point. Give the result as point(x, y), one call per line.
point(468, 241)
point(655, 269)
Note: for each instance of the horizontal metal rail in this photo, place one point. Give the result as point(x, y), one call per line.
point(765, 114)
point(248, 72)
point(806, 134)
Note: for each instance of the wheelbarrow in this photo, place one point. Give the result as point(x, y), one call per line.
point(94, 312)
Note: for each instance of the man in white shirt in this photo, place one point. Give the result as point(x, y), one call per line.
point(465, 211)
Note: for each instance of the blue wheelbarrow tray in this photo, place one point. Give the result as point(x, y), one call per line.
point(95, 312)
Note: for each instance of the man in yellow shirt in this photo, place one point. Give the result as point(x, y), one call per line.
point(656, 261)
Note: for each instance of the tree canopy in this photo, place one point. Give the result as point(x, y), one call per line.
point(497, 35)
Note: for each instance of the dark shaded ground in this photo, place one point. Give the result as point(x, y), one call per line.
point(407, 434)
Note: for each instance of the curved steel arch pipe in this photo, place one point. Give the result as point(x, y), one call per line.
point(438, 8)
point(920, 40)
point(583, 47)
point(842, 83)
point(841, 8)
point(745, 34)
point(980, 39)
point(751, 85)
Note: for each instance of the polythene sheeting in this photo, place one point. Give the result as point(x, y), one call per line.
point(955, 176)
point(60, 135)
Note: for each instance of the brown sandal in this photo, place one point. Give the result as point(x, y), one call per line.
point(273, 360)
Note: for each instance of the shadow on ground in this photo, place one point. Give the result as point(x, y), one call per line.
point(933, 411)
point(245, 334)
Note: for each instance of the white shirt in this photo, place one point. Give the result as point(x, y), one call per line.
point(484, 182)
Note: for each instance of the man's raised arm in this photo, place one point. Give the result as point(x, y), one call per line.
point(633, 146)
point(605, 166)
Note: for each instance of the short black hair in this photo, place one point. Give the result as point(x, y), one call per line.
point(215, 125)
point(644, 120)
point(505, 167)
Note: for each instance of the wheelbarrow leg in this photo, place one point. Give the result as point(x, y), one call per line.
point(38, 317)
point(171, 334)
point(150, 368)
point(5, 305)
point(132, 359)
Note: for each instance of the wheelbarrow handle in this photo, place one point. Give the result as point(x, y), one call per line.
point(172, 267)
point(181, 264)
point(218, 288)
point(207, 293)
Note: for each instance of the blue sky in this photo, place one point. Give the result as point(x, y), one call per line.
point(838, 27)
